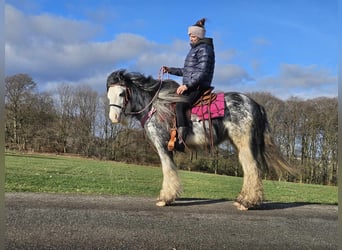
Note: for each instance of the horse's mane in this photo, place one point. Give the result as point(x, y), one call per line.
point(138, 83)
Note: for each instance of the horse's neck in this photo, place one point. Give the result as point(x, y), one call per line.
point(140, 103)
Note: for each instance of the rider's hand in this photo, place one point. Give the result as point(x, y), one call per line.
point(165, 69)
point(181, 89)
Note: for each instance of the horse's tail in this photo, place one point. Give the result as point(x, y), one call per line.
point(273, 158)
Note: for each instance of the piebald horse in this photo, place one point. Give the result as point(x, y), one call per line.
point(244, 124)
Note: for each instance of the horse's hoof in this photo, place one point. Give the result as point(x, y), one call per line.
point(242, 208)
point(236, 204)
point(161, 203)
point(239, 206)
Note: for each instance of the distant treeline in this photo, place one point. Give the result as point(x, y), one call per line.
point(74, 120)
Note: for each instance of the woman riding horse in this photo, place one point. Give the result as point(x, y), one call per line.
point(197, 75)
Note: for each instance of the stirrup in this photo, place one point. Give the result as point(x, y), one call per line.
point(173, 138)
point(173, 143)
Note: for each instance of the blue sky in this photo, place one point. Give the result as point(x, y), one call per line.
point(288, 48)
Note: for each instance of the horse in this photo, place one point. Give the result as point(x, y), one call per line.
point(244, 124)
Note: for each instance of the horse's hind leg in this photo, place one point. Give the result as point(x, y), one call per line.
point(252, 189)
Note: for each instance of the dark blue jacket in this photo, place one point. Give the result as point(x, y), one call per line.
point(199, 65)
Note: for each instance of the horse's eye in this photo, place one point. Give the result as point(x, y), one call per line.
point(122, 94)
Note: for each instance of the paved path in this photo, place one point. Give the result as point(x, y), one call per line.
point(55, 221)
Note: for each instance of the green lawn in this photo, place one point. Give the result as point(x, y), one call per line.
point(61, 174)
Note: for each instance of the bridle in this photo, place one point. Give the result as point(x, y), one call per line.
point(128, 94)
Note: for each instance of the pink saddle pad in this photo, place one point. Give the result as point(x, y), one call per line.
point(216, 109)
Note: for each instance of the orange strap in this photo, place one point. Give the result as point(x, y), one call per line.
point(171, 144)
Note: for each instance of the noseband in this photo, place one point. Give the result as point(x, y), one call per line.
point(127, 97)
point(115, 105)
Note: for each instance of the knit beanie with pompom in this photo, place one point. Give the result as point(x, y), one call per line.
point(197, 29)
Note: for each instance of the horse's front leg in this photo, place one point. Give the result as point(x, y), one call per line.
point(171, 187)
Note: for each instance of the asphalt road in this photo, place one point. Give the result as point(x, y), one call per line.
point(54, 221)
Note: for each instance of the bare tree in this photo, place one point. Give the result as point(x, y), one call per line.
point(66, 111)
point(86, 101)
point(18, 92)
point(39, 129)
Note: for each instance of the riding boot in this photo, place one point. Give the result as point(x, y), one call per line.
point(182, 134)
point(180, 143)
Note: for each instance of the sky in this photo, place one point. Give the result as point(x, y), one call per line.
point(287, 48)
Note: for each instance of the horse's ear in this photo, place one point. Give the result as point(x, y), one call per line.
point(121, 75)
point(116, 77)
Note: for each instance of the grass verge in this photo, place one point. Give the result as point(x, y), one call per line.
point(61, 174)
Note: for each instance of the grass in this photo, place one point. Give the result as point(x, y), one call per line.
point(61, 174)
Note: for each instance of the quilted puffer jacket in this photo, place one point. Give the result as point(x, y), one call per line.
point(199, 65)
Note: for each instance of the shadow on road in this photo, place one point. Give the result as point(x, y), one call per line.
point(196, 201)
point(282, 205)
point(264, 206)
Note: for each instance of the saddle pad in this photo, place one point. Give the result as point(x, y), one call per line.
point(216, 109)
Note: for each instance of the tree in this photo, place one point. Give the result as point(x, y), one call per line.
point(66, 111)
point(18, 92)
point(39, 130)
point(86, 102)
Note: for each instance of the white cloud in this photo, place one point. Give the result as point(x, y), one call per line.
point(54, 49)
point(229, 75)
point(23, 29)
point(292, 81)
point(305, 76)
point(96, 81)
point(50, 47)
point(260, 41)
point(225, 55)
point(302, 81)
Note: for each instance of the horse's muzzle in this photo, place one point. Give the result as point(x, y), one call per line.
point(114, 116)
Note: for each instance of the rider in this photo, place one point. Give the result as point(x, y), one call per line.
point(197, 75)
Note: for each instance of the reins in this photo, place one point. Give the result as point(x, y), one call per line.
point(160, 77)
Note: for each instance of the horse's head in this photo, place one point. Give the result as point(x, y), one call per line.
point(118, 94)
point(132, 94)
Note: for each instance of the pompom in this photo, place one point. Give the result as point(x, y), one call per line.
point(200, 23)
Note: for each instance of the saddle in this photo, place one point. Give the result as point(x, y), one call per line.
point(206, 99)
point(209, 105)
